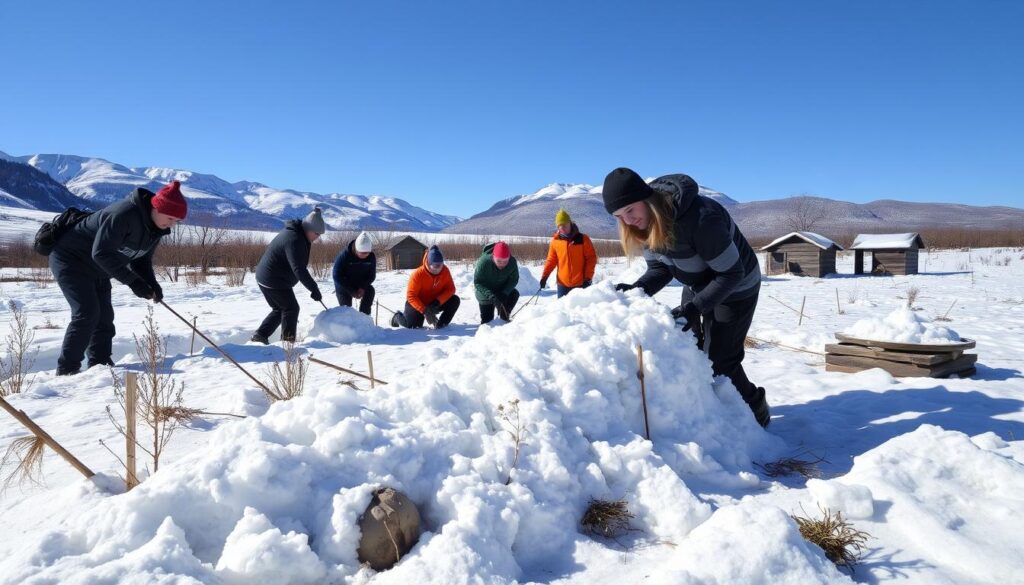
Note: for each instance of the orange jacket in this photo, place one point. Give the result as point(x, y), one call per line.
point(575, 258)
point(425, 288)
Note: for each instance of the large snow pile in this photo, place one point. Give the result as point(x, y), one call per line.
point(902, 326)
point(275, 499)
point(344, 325)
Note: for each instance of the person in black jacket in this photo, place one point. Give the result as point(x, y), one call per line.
point(282, 266)
point(117, 241)
point(355, 269)
point(692, 238)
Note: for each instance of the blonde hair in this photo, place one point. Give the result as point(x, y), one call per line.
point(659, 234)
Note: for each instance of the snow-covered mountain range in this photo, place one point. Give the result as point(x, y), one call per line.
point(243, 204)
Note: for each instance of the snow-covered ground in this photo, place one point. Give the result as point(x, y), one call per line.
point(932, 469)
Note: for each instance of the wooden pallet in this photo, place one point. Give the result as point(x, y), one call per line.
point(900, 359)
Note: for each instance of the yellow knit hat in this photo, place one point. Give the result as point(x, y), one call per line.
point(562, 217)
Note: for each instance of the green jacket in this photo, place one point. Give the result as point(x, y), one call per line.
point(489, 281)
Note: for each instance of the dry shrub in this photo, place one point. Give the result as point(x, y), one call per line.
point(235, 276)
point(608, 519)
point(28, 452)
point(807, 468)
point(912, 293)
point(195, 277)
point(751, 343)
point(516, 429)
point(15, 367)
point(159, 396)
point(288, 377)
point(841, 542)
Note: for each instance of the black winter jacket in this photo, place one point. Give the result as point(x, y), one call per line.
point(284, 263)
point(709, 255)
point(352, 273)
point(117, 241)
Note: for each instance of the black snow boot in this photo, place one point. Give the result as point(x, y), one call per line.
point(260, 339)
point(63, 372)
point(396, 320)
point(760, 409)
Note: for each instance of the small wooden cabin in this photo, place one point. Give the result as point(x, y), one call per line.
point(405, 254)
point(891, 254)
point(803, 253)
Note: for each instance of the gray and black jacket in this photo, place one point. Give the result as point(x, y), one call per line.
point(709, 255)
point(117, 241)
point(284, 263)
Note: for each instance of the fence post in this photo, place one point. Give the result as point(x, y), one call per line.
point(131, 398)
point(802, 303)
point(192, 346)
point(643, 388)
point(369, 358)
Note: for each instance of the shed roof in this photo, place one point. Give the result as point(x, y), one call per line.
point(404, 240)
point(887, 242)
point(809, 237)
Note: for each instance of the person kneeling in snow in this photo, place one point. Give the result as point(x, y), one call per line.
point(355, 269)
point(430, 295)
point(117, 241)
point(573, 253)
point(282, 266)
point(685, 235)
point(495, 280)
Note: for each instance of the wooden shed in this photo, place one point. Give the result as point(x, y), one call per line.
point(405, 254)
point(803, 253)
point(891, 254)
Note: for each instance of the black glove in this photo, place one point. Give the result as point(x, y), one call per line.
point(623, 287)
point(544, 282)
point(141, 288)
point(502, 311)
point(586, 283)
point(158, 293)
point(430, 316)
point(315, 295)
point(690, 313)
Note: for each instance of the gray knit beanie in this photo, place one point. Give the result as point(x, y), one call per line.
point(314, 222)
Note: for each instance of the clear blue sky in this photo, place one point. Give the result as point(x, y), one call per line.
point(454, 105)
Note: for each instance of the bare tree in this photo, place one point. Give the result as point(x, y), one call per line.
point(160, 403)
point(804, 212)
point(207, 240)
point(15, 368)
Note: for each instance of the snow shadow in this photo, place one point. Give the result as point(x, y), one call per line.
point(843, 426)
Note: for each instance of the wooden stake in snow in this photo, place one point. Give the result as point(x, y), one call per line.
point(346, 370)
point(376, 314)
point(839, 308)
point(23, 418)
point(192, 346)
point(131, 398)
point(643, 388)
point(369, 359)
point(801, 320)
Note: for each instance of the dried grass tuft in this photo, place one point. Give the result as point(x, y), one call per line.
point(794, 466)
point(606, 518)
point(841, 542)
point(28, 451)
point(751, 343)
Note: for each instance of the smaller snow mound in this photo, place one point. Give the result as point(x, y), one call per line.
point(344, 325)
point(902, 326)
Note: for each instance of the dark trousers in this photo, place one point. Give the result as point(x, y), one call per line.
point(365, 304)
point(725, 330)
point(284, 311)
point(413, 319)
point(91, 329)
point(487, 311)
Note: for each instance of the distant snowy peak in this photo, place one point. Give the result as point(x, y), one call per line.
point(242, 204)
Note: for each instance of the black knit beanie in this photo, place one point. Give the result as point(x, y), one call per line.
point(622, 187)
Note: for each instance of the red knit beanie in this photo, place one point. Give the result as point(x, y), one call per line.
point(501, 251)
point(170, 201)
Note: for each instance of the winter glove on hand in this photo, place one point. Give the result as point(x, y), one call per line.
point(315, 295)
point(690, 313)
point(544, 282)
point(431, 317)
point(141, 289)
point(623, 287)
point(158, 293)
point(502, 311)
